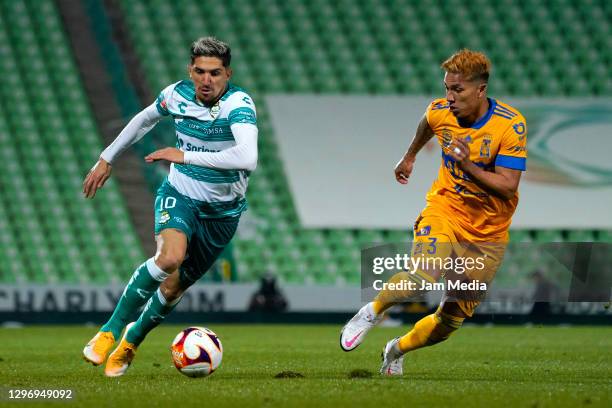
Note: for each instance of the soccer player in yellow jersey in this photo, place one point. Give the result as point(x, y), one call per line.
point(483, 143)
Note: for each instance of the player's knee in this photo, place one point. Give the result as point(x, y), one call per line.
point(171, 249)
point(169, 261)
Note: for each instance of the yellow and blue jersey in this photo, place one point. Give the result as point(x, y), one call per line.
point(499, 138)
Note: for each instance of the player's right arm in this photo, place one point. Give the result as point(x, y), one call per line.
point(423, 134)
point(140, 124)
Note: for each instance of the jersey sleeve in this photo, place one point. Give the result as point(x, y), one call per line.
point(242, 109)
point(512, 152)
point(435, 113)
point(161, 103)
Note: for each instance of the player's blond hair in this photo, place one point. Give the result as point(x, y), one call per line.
point(473, 65)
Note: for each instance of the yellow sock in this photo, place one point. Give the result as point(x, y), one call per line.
point(378, 307)
point(387, 298)
point(417, 337)
point(430, 330)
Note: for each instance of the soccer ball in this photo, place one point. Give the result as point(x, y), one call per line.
point(196, 352)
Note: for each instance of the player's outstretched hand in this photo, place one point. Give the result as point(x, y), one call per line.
point(403, 169)
point(96, 178)
point(170, 154)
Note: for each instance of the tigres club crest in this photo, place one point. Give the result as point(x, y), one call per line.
point(485, 146)
point(164, 217)
point(214, 111)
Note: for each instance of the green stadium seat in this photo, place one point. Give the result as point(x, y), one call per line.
point(544, 236)
point(581, 236)
point(520, 236)
point(605, 236)
point(48, 250)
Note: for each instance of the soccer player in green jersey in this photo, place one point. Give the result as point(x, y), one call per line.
point(197, 207)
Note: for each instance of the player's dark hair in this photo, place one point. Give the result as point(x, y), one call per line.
point(211, 47)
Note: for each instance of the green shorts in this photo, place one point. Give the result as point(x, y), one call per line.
point(206, 237)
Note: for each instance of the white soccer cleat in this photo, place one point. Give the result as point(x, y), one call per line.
point(355, 330)
point(393, 359)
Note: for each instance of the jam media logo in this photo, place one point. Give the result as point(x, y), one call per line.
point(569, 144)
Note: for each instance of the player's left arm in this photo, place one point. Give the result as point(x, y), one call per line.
point(503, 182)
point(243, 156)
point(510, 162)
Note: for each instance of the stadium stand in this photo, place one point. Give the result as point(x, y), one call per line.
point(48, 140)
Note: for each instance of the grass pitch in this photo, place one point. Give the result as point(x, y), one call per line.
point(478, 366)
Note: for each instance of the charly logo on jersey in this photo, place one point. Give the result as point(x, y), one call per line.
point(519, 128)
point(555, 130)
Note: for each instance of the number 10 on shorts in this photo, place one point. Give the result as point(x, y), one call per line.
point(167, 203)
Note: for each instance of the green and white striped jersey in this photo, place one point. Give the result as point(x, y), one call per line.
point(218, 193)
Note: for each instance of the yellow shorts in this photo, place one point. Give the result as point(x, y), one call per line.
point(467, 267)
